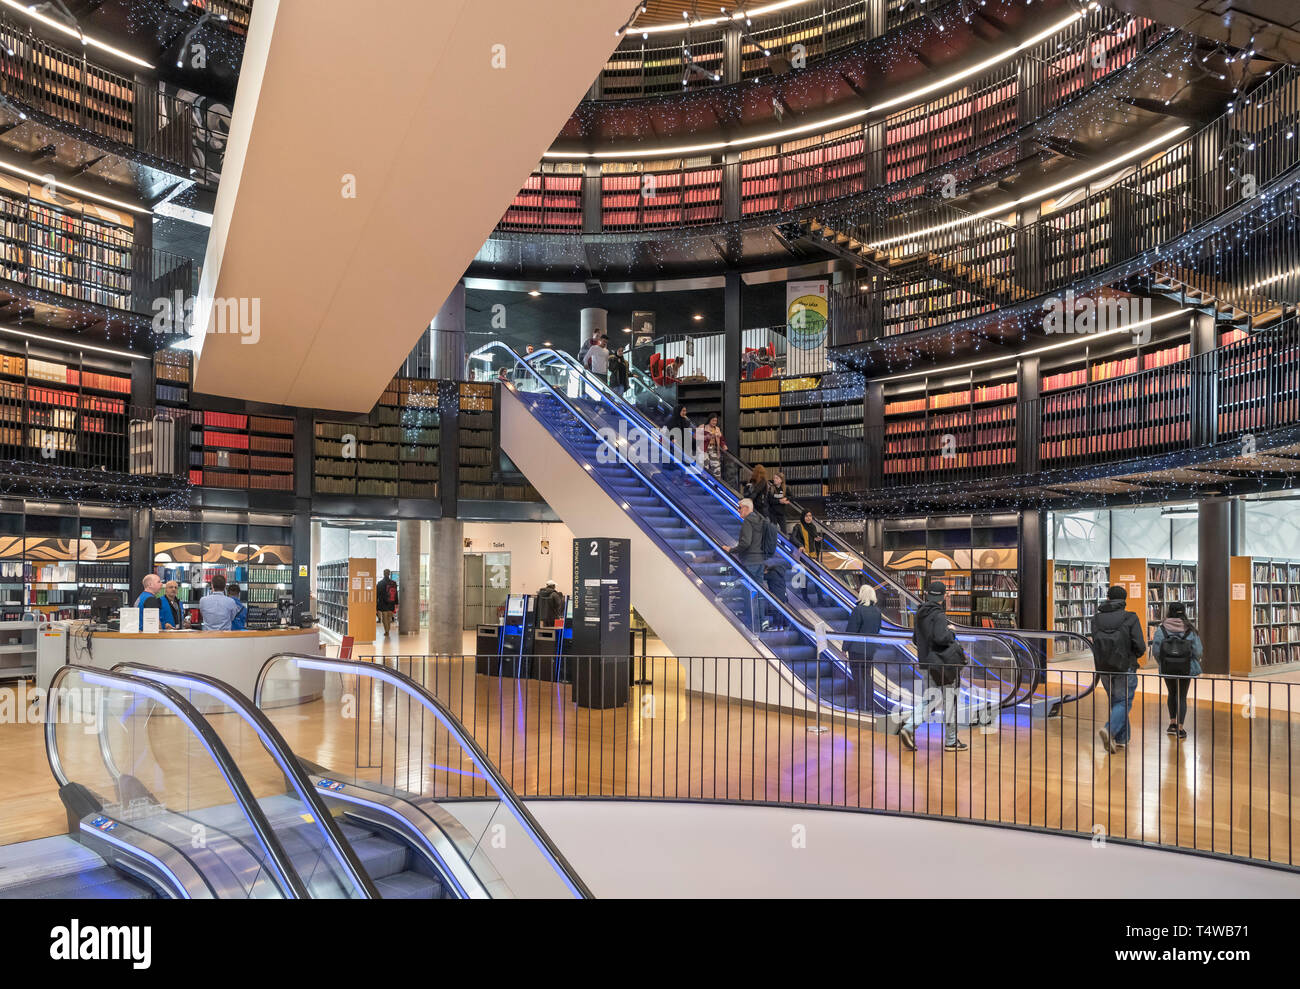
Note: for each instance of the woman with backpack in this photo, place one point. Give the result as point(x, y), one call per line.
point(1178, 651)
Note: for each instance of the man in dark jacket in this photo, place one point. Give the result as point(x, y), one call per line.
point(931, 635)
point(1117, 645)
point(749, 550)
point(550, 605)
point(386, 600)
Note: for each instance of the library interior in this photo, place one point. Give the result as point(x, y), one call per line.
point(876, 413)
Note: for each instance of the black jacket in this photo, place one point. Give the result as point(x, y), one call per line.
point(864, 619)
point(381, 595)
point(549, 606)
point(749, 548)
point(761, 496)
point(1112, 615)
point(932, 633)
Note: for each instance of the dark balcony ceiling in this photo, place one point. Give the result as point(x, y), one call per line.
point(1274, 25)
point(875, 70)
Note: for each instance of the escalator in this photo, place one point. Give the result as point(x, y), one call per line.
point(156, 806)
point(177, 786)
point(650, 408)
point(593, 462)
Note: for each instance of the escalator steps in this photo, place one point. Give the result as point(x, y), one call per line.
point(96, 884)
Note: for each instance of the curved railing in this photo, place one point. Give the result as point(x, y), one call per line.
point(345, 877)
point(935, 133)
point(249, 854)
point(435, 772)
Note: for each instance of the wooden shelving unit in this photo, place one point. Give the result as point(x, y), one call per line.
point(948, 430)
point(345, 597)
point(1263, 615)
point(1074, 589)
point(396, 456)
point(236, 450)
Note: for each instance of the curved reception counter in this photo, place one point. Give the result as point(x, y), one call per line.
point(235, 657)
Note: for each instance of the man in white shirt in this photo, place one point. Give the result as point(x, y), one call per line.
point(597, 360)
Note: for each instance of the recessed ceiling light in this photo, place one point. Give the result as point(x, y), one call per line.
point(534, 293)
point(546, 343)
point(698, 317)
point(627, 329)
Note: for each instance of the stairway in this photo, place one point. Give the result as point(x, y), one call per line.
point(1204, 292)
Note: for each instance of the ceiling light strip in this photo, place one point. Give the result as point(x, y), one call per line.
point(85, 193)
point(690, 25)
point(1039, 194)
point(72, 32)
point(73, 345)
point(770, 136)
point(1082, 338)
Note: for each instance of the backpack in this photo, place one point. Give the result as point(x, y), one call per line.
point(1110, 650)
point(1175, 655)
point(390, 593)
point(769, 539)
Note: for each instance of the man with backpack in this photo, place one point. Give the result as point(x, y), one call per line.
point(386, 600)
point(1117, 645)
point(1178, 651)
point(755, 545)
point(940, 655)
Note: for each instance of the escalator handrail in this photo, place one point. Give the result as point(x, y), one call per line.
point(724, 495)
point(400, 681)
point(282, 871)
point(280, 752)
point(740, 572)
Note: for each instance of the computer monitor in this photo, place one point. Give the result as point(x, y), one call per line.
point(104, 606)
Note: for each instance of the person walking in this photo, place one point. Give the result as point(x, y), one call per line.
point(710, 443)
point(759, 490)
point(1177, 649)
point(779, 498)
point(941, 657)
point(386, 600)
point(749, 550)
point(1117, 645)
point(864, 619)
point(619, 374)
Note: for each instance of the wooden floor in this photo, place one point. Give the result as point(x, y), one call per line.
point(1233, 786)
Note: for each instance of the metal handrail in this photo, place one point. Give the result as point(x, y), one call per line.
point(283, 873)
point(406, 685)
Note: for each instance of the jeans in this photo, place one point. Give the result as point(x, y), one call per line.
point(1177, 699)
point(757, 604)
point(948, 698)
point(1120, 688)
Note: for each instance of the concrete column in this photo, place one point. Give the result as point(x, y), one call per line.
point(141, 549)
point(446, 587)
point(408, 576)
point(591, 322)
point(1033, 569)
point(1214, 546)
point(447, 338)
point(316, 558)
point(732, 325)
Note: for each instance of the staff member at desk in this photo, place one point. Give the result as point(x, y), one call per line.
point(240, 622)
point(217, 610)
point(150, 598)
point(171, 610)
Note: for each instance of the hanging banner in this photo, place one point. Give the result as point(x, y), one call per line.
point(807, 313)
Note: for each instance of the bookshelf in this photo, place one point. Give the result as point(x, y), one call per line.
point(701, 399)
point(239, 450)
point(171, 375)
point(1263, 615)
point(345, 597)
point(394, 456)
point(1153, 584)
point(479, 477)
point(950, 430)
point(976, 557)
point(1074, 591)
point(784, 424)
point(64, 404)
point(65, 246)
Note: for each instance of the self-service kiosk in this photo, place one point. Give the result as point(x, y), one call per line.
point(514, 636)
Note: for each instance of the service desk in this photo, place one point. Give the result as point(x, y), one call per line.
point(235, 657)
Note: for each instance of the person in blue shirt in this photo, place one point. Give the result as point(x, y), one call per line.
point(218, 610)
point(150, 598)
point(171, 610)
point(240, 622)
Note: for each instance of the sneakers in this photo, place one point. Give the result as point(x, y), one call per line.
point(1172, 729)
point(956, 745)
point(908, 738)
point(1181, 733)
point(1107, 742)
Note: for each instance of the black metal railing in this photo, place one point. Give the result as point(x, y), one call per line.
point(730, 730)
point(51, 427)
point(67, 85)
point(958, 267)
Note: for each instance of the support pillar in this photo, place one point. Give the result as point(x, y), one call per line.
point(141, 549)
point(408, 576)
point(1033, 568)
point(591, 322)
point(447, 338)
point(446, 587)
point(316, 559)
point(1214, 546)
point(732, 325)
